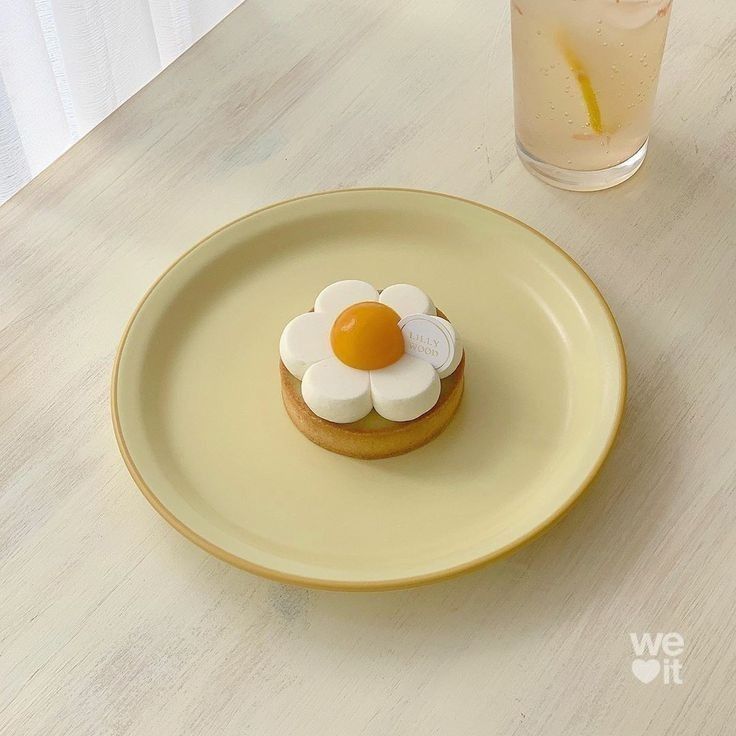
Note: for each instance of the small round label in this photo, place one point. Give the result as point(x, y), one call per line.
point(428, 339)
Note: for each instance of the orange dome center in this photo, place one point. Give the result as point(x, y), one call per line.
point(367, 336)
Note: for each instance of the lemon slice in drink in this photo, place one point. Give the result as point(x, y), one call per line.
point(586, 87)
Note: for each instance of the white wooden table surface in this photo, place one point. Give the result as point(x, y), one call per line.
point(111, 623)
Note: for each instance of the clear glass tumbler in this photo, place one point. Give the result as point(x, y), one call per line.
point(585, 79)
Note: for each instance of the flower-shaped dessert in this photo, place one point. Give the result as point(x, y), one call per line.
point(361, 350)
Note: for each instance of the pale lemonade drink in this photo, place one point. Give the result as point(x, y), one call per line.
point(585, 78)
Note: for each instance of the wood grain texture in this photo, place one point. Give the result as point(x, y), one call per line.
point(111, 623)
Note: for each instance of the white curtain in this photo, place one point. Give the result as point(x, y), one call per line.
point(66, 64)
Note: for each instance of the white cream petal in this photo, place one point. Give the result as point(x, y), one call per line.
point(305, 341)
point(406, 299)
point(336, 392)
point(405, 390)
point(336, 297)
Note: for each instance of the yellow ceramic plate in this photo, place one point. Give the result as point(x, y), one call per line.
point(199, 419)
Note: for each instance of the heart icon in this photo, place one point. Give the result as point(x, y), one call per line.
point(645, 669)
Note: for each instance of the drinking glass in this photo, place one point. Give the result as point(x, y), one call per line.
point(585, 79)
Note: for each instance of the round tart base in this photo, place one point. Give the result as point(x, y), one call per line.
point(373, 437)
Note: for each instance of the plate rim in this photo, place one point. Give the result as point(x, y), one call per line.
point(378, 584)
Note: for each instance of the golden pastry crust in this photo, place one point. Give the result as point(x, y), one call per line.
point(373, 437)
